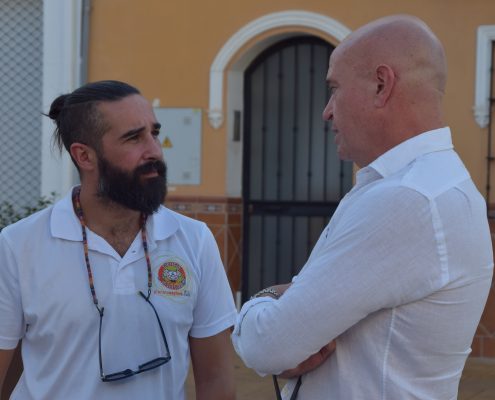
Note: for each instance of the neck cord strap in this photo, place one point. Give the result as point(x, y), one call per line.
point(146, 253)
point(294, 393)
point(76, 201)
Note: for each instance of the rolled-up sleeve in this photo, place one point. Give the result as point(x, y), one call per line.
point(246, 346)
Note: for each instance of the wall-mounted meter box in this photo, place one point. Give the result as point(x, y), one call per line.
point(180, 137)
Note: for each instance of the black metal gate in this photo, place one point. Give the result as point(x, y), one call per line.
point(292, 177)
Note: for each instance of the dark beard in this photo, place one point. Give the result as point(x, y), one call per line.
point(129, 189)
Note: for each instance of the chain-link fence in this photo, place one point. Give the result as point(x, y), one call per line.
point(21, 40)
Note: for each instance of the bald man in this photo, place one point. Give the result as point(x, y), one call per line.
point(399, 278)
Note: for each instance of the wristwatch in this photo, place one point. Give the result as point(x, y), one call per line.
point(269, 291)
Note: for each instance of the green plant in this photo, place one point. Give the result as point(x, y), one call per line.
point(10, 214)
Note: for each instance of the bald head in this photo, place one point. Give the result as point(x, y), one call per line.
point(387, 80)
point(403, 42)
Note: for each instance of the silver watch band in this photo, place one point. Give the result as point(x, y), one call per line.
point(269, 291)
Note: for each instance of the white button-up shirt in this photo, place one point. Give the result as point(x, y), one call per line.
point(399, 277)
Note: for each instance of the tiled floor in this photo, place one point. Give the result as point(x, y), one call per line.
point(477, 383)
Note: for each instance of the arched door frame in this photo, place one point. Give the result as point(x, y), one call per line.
point(229, 65)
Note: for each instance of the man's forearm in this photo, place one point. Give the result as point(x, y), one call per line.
point(5, 361)
point(213, 367)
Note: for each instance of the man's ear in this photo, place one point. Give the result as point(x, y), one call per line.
point(84, 156)
point(385, 81)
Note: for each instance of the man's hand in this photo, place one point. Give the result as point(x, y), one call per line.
point(311, 363)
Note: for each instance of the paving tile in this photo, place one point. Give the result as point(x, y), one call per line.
point(477, 382)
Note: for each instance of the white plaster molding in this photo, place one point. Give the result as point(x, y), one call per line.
point(61, 74)
point(215, 117)
point(292, 18)
point(481, 109)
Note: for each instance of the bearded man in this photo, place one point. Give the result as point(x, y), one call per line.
point(82, 282)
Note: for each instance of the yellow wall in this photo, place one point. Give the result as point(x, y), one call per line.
point(166, 47)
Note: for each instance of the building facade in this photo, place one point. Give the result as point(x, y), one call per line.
point(239, 88)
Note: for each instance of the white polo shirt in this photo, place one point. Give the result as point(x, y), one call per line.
point(399, 277)
point(45, 300)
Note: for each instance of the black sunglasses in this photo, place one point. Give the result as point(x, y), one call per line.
point(147, 366)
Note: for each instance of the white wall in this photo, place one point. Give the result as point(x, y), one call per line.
point(61, 70)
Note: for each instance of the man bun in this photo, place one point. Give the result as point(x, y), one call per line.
point(57, 106)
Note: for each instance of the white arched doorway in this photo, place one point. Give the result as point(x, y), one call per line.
point(234, 58)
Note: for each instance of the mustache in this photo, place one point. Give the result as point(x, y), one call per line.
point(157, 166)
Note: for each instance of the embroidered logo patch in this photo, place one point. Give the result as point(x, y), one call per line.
point(172, 278)
point(172, 275)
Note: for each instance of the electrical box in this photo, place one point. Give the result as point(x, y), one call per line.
point(180, 137)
